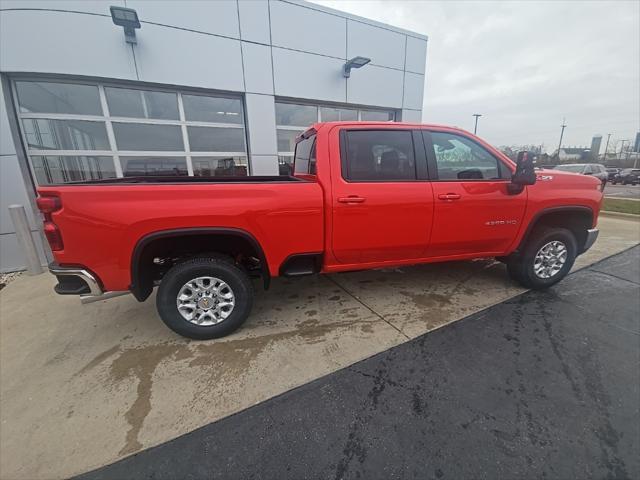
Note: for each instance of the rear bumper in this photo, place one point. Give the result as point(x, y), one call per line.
point(592, 236)
point(79, 281)
point(75, 281)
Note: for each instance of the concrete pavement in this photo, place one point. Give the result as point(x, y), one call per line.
point(82, 386)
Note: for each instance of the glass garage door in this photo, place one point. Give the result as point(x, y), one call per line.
point(292, 119)
point(89, 131)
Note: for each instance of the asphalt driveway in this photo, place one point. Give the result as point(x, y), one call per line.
point(544, 385)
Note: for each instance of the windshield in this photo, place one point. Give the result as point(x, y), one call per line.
point(570, 168)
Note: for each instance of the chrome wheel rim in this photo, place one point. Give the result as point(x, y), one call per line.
point(205, 301)
point(550, 259)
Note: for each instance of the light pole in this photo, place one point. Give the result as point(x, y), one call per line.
point(561, 135)
point(475, 127)
point(606, 148)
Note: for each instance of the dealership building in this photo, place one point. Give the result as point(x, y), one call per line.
point(189, 88)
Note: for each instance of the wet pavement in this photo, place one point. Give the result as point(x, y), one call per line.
point(544, 385)
point(83, 386)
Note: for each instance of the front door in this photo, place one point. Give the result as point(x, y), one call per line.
point(382, 202)
point(474, 213)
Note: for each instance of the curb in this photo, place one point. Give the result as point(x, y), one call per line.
point(627, 216)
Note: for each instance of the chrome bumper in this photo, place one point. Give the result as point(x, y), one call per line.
point(592, 235)
point(95, 290)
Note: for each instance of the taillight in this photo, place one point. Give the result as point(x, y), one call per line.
point(52, 232)
point(47, 205)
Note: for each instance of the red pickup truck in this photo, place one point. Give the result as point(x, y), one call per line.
point(363, 195)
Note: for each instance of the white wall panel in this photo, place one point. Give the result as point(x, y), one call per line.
point(66, 43)
point(304, 75)
point(261, 122)
point(309, 30)
point(383, 47)
point(254, 21)
point(12, 191)
point(6, 139)
point(219, 16)
point(376, 86)
point(169, 55)
point(413, 90)
point(414, 116)
point(11, 256)
point(264, 164)
point(258, 72)
point(416, 55)
point(88, 6)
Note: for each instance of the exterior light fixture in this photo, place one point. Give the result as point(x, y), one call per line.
point(126, 18)
point(355, 62)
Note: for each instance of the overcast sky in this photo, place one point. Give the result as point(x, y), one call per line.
point(525, 65)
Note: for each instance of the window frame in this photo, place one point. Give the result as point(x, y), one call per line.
point(420, 161)
point(106, 118)
point(433, 162)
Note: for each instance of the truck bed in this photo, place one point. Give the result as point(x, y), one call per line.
point(102, 221)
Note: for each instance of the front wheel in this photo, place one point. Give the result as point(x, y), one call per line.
point(546, 259)
point(205, 297)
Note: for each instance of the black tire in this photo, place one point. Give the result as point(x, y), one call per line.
point(521, 267)
point(222, 268)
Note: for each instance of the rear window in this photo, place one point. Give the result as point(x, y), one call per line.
point(378, 155)
point(305, 156)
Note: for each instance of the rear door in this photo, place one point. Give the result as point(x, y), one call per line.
point(382, 201)
point(474, 212)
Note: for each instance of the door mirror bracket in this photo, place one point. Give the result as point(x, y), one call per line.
point(525, 173)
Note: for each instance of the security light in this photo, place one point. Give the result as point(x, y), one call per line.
point(355, 62)
point(126, 18)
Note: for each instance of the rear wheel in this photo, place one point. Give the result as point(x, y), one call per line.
point(206, 297)
point(545, 260)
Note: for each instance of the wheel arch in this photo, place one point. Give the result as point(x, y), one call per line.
point(142, 279)
point(576, 218)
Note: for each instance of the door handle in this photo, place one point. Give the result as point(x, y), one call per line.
point(351, 199)
point(449, 196)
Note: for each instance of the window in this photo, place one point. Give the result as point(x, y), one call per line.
point(144, 137)
point(305, 157)
point(220, 166)
point(376, 116)
point(43, 134)
point(126, 102)
point(199, 108)
point(378, 155)
point(459, 158)
point(329, 114)
point(146, 166)
point(293, 119)
point(52, 97)
point(76, 132)
point(207, 139)
point(59, 169)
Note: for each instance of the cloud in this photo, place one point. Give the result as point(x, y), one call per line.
point(525, 65)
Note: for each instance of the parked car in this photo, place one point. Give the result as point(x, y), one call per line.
point(362, 195)
point(612, 172)
point(627, 176)
point(594, 169)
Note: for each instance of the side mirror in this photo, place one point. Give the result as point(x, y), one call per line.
point(525, 173)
